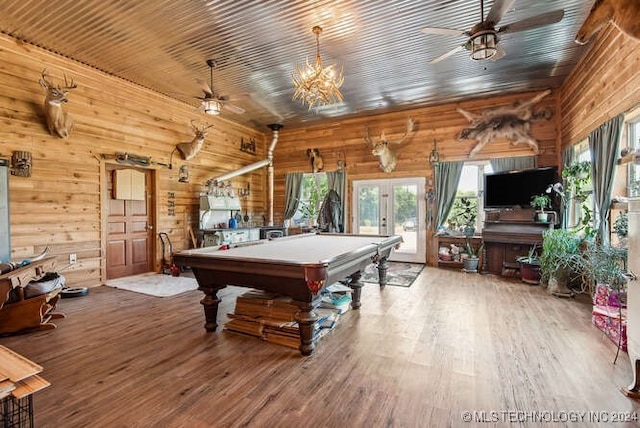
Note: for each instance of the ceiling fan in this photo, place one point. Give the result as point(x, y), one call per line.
point(483, 37)
point(213, 103)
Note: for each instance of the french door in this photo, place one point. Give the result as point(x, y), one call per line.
point(392, 207)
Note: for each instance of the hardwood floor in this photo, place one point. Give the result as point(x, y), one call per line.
point(410, 357)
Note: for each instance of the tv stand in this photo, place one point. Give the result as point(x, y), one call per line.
point(509, 234)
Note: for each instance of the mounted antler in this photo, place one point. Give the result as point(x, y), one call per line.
point(58, 121)
point(191, 149)
point(386, 156)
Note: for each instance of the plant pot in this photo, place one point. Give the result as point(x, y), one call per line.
point(558, 285)
point(530, 273)
point(470, 264)
point(469, 231)
point(543, 217)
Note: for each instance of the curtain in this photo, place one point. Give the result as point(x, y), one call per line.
point(603, 143)
point(292, 185)
point(447, 178)
point(567, 208)
point(513, 164)
point(336, 181)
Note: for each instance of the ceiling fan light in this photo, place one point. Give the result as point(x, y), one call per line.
point(212, 107)
point(484, 45)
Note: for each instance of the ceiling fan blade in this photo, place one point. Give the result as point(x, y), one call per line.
point(447, 55)
point(233, 108)
point(499, 8)
point(445, 31)
point(533, 22)
point(500, 53)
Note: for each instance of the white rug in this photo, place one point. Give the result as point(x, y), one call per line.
point(155, 284)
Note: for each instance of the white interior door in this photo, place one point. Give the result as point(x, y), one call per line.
point(392, 207)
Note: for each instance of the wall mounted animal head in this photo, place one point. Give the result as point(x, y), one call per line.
point(625, 14)
point(512, 122)
point(190, 150)
point(58, 121)
point(317, 164)
point(386, 155)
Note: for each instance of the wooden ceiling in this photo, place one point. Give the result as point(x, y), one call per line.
point(164, 45)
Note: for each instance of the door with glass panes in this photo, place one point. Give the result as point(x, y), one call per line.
point(392, 207)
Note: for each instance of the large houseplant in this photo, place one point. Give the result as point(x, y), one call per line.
point(560, 259)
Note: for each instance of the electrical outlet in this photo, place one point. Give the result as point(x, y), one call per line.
point(73, 258)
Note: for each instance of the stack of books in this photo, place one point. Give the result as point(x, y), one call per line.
point(272, 317)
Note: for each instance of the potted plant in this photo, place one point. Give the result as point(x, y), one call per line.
point(560, 260)
point(530, 266)
point(541, 202)
point(468, 216)
point(621, 228)
point(472, 260)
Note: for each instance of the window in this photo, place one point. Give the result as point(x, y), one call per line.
point(581, 208)
point(633, 142)
point(312, 192)
point(470, 191)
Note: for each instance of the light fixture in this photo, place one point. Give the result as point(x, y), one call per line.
point(484, 44)
point(315, 84)
point(212, 107)
point(183, 174)
point(434, 157)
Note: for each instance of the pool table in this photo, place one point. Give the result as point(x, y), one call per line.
point(297, 266)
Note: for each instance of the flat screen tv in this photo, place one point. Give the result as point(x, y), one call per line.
point(513, 189)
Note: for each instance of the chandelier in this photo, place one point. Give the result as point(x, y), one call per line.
point(315, 84)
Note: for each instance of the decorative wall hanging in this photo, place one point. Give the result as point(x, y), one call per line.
point(317, 164)
point(248, 146)
point(58, 121)
point(512, 122)
point(386, 156)
point(190, 150)
point(624, 14)
point(171, 203)
point(183, 174)
point(136, 160)
point(21, 164)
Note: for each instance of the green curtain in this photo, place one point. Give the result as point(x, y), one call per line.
point(513, 164)
point(447, 176)
point(566, 207)
point(336, 181)
point(603, 143)
point(292, 186)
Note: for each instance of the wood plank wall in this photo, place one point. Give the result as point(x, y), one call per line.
point(343, 140)
point(605, 83)
point(59, 205)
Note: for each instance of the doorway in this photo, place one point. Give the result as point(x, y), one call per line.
point(129, 226)
point(392, 207)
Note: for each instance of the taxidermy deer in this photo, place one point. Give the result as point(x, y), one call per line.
point(512, 122)
point(386, 156)
point(58, 121)
point(317, 164)
point(625, 14)
point(190, 150)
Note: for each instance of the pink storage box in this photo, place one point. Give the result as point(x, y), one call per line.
point(605, 296)
point(607, 319)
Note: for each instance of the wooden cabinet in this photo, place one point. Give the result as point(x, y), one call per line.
point(32, 313)
point(633, 297)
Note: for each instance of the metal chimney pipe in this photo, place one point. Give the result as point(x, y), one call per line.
point(275, 127)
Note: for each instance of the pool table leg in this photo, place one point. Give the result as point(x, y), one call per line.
point(306, 320)
point(382, 271)
point(356, 285)
point(210, 303)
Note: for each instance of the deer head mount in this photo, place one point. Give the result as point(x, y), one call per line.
point(190, 150)
point(386, 155)
point(317, 164)
point(624, 14)
point(58, 121)
point(512, 122)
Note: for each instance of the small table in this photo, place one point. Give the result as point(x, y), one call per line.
point(297, 266)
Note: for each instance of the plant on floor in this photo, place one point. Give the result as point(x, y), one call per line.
point(560, 259)
point(530, 266)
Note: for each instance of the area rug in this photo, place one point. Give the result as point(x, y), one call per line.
point(399, 273)
point(155, 284)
